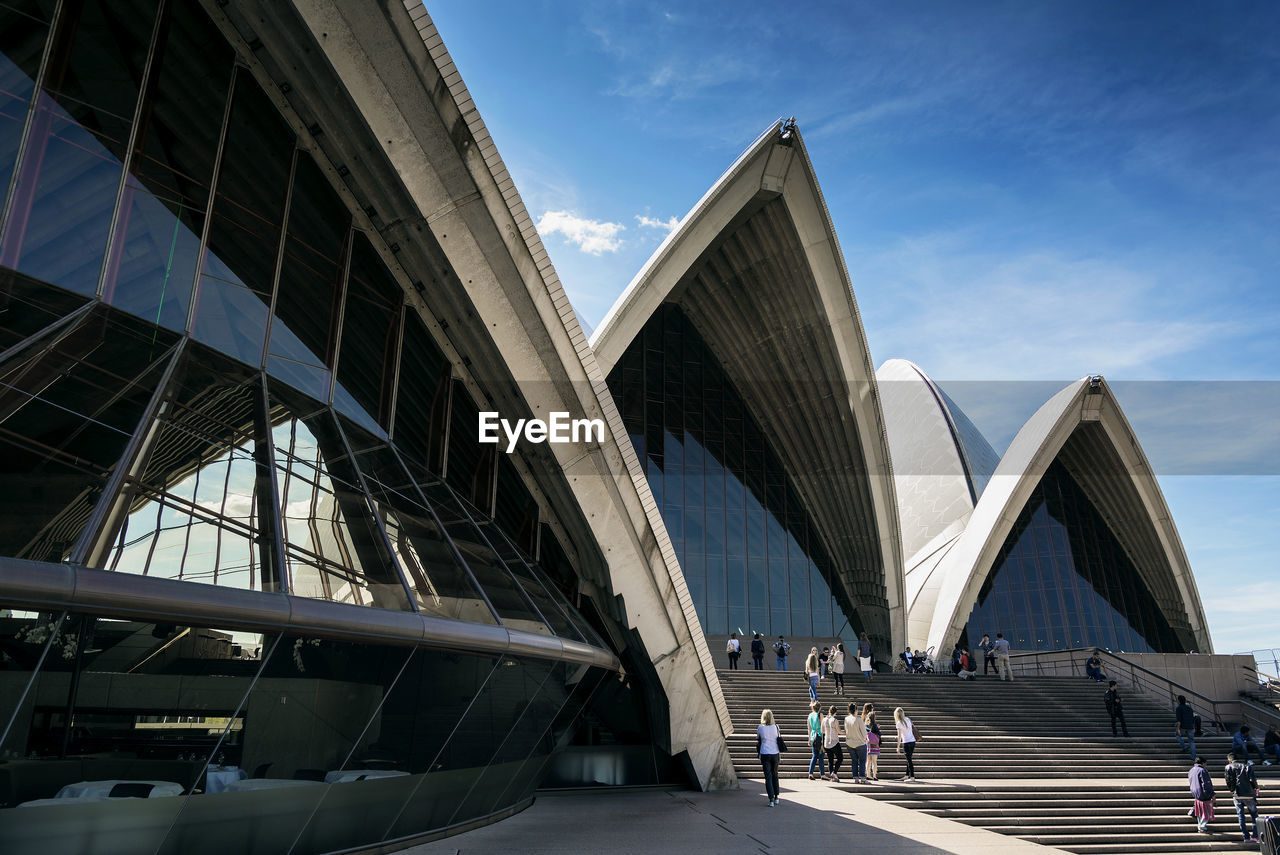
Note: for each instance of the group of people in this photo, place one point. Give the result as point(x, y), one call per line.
point(831, 662)
point(825, 730)
point(964, 663)
point(1241, 782)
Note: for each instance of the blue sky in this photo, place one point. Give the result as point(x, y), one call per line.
point(1022, 193)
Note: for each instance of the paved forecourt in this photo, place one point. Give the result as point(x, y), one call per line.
point(813, 816)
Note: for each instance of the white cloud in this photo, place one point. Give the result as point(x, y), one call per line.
point(668, 225)
point(590, 236)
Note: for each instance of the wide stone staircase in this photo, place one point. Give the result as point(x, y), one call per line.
point(1033, 758)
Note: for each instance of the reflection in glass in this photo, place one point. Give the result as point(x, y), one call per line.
point(370, 338)
point(333, 546)
point(22, 40)
point(1063, 580)
point(65, 192)
point(67, 410)
point(151, 269)
point(726, 499)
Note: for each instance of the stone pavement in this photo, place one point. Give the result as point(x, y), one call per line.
point(813, 817)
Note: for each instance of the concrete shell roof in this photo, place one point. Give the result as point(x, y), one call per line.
point(757, 269)
point(1083, 428)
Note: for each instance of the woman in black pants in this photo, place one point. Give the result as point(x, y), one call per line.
point(768, 746)
point(906, 741)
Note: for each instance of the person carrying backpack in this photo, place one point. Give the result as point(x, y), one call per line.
point(780, 648)
point(1184, 726)
point(757, 652)
point(1115, 708)
point(734, 649)
point(1243, 784)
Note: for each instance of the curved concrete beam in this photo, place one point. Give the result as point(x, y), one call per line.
point(1041, 440)
point(757, 266)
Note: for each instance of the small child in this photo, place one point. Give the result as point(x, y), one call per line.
point(873, 748)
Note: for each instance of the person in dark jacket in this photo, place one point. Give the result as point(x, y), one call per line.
point(1242, 783)
point(1115, 708)
point(1184, 725)
point(757, 652)
point(1093, 668)
point(864, 656)
point(1201, 783)
point(1242, 742)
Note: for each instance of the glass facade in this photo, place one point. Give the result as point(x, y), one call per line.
point(267, 743)
point(751, 557)
point(203, 363)
point(1062, 580)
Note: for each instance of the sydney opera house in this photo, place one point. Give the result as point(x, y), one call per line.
point(262, 267)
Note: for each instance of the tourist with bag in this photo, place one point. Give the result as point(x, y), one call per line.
point(780, 648)
point(864, 656)
point(873, 742)
point(769, 746)
point(734, 649)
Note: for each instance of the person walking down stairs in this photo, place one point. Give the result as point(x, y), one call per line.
point(1201, 783)
point(831, 743)
point(906, 741)
point(1115, 708)
point(769, 746)
point(855, 736)
point(815, 742)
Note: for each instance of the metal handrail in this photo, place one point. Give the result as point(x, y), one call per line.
point(1149, 679)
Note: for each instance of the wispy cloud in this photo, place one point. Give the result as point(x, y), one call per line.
point(668, 225)
point(590, 236)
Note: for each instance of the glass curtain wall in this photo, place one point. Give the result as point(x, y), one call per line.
point(1062, 580)
point(751, 557)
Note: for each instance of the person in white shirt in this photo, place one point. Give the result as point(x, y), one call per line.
point(906, 741)
point(768, 739)
point(837, 667)
point(734, 649)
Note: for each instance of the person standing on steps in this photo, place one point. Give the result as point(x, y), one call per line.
point(1001, 649)
point(988, 655)
point(1242, 781)
point(1115, 708)
point(734, 649)
point(855, 736)
point(824, 663)
point(757, 652)
point(769, 747)
point(831, 743)
point(815, 742)
point(812, 673)
point(906, 741)
point(873, 741)
point(864, 656)
point(1201, 783)
point(837, 668)
point(780, 648)
point(1184, 726)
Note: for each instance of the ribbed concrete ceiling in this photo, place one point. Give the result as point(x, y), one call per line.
point(753, 298)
